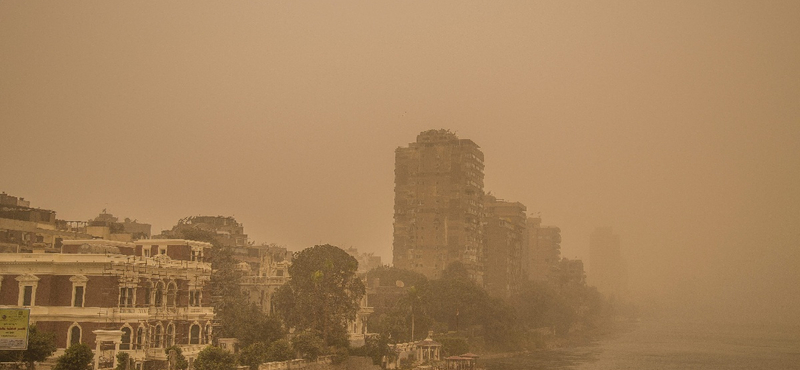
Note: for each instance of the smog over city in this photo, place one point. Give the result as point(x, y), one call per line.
point(658, 141)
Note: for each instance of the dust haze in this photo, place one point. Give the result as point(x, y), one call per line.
point(676, 124)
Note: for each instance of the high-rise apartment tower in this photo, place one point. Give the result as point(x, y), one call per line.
point(504, 243)
point(607, 270)
point(438, 205)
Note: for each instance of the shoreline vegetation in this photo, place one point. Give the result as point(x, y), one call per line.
point(554, 344)
point(324, 293)
point(575, 339)
point(560, 313)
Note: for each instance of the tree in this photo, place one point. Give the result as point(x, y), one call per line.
point(123, 361)
point(77, 357)
point(227, 296)
point(280, 350)
point(254, 355)
point(214, 358)
point(41, 345)
point(309, 345)
point(322, 293)
point(378, 348)
point(180, 360)
point(247, 323)
point(457, 303)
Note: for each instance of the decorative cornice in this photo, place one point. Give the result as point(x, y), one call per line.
point(27, 278)
point(79, 279)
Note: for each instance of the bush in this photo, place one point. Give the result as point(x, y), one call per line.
point(280, 350)
point(77, 357)
point(180, 360)
point(309, 345)
point(340, 354)
point(214, 358)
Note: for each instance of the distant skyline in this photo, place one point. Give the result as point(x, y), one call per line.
point(675, 123)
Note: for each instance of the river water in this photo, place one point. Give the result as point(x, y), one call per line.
point(671, 345)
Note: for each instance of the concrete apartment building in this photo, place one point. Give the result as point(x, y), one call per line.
point(439, 205)
point(504, 231)
point(26, 229)
point(607, 268)
point(228, 232)
point(106, 226)
point(115, 296)
point(543, 251)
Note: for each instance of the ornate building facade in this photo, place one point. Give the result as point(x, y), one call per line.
point(147, 295)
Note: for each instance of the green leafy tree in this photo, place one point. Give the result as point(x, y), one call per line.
point(389, 276)
point(214, 358)
point(227, 297)
point(247, 323)
point(309, 345)
point(456, 303)
point(453, 345)
point(280, 350)
point(322, 293)
point(124, 361)
point(377, 348)
point(77, 357)
point(254, 355)
point(41, 345)
point(180, 359)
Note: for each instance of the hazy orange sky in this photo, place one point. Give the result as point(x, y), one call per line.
point(677, 123)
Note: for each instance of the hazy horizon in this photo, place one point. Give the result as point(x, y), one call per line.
point(677, 124)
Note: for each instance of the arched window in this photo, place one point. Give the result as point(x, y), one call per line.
point(159, 298)
point(140, 337)
point(159, 332)
point(74, 334)
point(148, 293)
point(208, 333)
point(194, 334)
point(172, 292)
point(126, 338)
point(170, 335)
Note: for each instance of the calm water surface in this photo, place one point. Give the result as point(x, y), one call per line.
point(673, 345)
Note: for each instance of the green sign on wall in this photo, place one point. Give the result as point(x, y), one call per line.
point(14, 324)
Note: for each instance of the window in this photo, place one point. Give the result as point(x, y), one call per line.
point(77, 297)
point(159, 298)
point(140, 338)
point(27, 290)
point(172, 293)
point(148, 292)
point(78, 290)
point(208, 333)
point(194, 334)
point(27, 295)
point(126, 338)
point(170, 335)
point(157, 336)
point(74, 334)
point(126, 297)
point(194, 298)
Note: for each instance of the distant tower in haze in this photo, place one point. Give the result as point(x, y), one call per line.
point(607, 270)
point(438, 205)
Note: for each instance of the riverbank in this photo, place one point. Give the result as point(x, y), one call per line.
point(575, 339)
point(670, 345)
